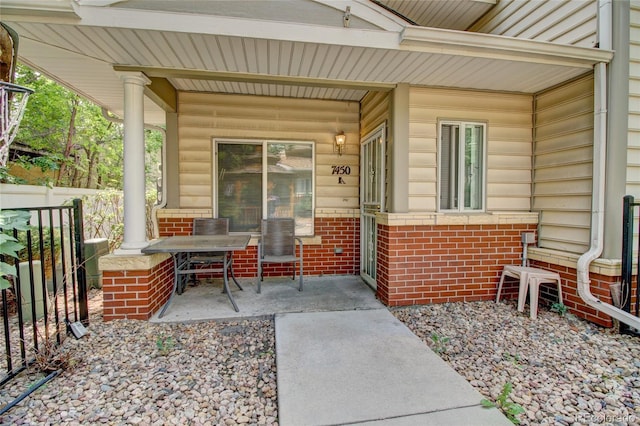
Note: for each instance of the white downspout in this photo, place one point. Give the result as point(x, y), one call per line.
point(163, 188)
point(599, 157)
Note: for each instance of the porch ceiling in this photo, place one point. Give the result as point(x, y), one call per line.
point(82, 46)
point(453, 15)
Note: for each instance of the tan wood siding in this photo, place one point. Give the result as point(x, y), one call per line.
point(375, 108)
point(374, 111)
point(633, 153)
point(509, 123)
point(204, 116)
point(571, 22)
point(563, 154)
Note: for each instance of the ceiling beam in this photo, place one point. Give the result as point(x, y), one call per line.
point(169, 73)
point(162, 92)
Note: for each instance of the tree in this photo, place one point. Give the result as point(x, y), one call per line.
point(74, 137)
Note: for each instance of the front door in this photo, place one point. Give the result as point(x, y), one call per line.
point(371, 200)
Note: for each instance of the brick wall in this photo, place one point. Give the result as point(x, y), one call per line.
point(170, 226)
point(600, 288)
point(445, 263)
point(341, 233)
point(136, 294)
point(415, 265)
point(319, 259)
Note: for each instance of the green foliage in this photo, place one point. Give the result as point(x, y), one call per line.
point(103, 216)
point(164, 344)
point(514, 359)
point(559, 308)
point(439, 343)
point(74, 138)
point(46, 118)
point(511, 409)
point(23, 254)
point(153, 146)
point(45, 164)
point(9, 246)
point(5, 177)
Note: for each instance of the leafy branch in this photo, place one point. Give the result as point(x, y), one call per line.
point(9, 246)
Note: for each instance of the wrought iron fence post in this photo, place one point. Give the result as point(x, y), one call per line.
point(627, 251)
point(83, 300)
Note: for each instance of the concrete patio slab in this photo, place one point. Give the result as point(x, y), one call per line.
point(279, 295)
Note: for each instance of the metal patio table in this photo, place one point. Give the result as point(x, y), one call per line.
point(181, 248)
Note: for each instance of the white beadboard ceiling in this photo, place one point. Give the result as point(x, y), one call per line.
point(293, 48)
point(452, 14)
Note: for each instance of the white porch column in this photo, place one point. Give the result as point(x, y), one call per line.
point(135, 236)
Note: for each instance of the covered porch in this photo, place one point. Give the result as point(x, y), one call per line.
point(214, 76)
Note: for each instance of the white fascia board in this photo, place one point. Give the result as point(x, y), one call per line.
point(44, 5)
point(435, 40)
point(97, 2)
point(35, 9)
point(368, 11)
point(234, 27)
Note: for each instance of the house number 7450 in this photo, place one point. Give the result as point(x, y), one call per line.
point(341, 170)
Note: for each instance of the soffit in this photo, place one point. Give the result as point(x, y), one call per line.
point(453, 15)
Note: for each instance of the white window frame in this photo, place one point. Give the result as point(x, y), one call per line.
point(265, 143)
point(461, 166)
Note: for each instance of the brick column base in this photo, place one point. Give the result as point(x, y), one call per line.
point(135, 287)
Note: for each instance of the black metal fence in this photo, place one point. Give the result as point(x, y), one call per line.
point(49, 291)
point(629, 290)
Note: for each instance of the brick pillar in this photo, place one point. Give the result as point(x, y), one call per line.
point(135, 287)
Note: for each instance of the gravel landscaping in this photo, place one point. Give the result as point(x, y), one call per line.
point(136, 372)
point(563, 370)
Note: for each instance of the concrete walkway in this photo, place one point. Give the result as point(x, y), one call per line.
point(365, 367)
point(342, 357)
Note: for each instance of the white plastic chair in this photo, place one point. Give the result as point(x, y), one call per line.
point(530, 280)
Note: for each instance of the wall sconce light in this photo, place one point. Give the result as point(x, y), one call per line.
point(341, 139)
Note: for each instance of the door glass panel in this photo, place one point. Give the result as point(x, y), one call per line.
point(289, 182)
point(260, 179)
point(240, 185)
point(372, 190)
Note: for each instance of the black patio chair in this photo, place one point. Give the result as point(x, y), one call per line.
point(211, 226)
point(277, 244)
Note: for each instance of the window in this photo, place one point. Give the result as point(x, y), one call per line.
point(263, 179)
point(462, 170)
